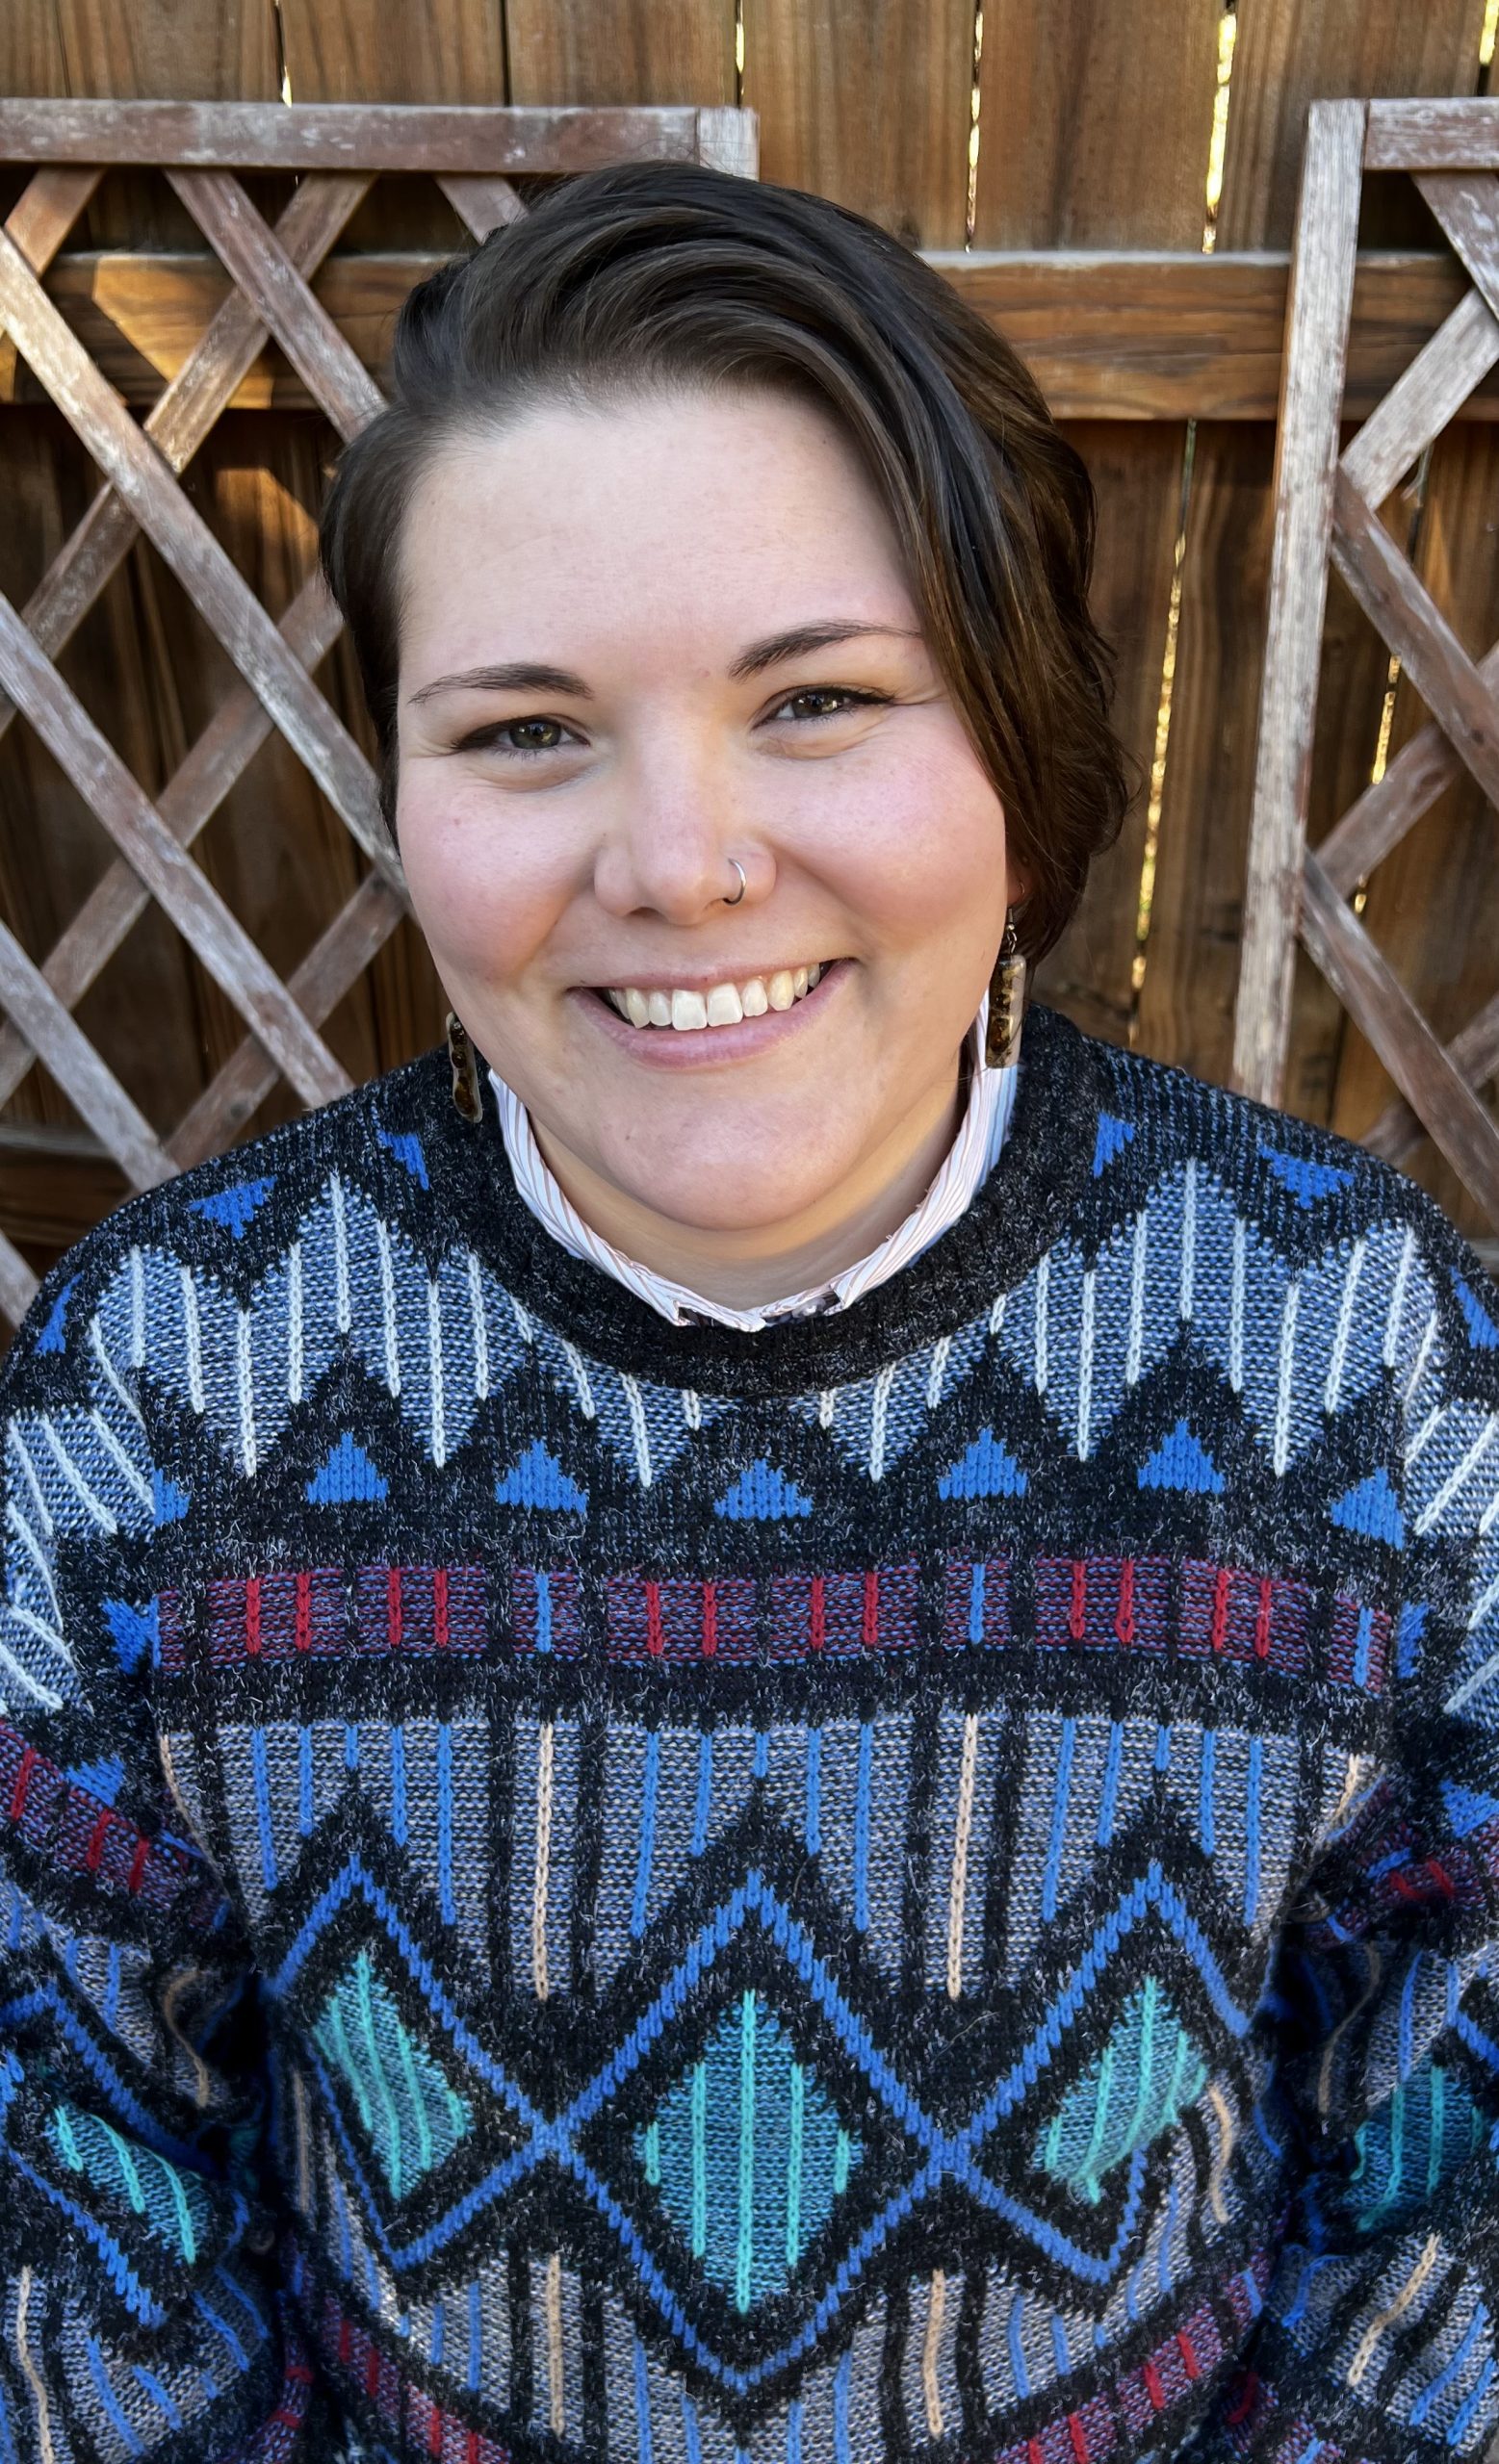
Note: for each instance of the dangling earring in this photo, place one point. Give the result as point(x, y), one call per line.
point(464, 1059)
point(1007, 1002)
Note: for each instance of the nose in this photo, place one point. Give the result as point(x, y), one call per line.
point(666, 848)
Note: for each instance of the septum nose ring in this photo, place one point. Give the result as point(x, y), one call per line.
point(739, 892)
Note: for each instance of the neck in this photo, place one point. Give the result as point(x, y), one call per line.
point(747, 1269)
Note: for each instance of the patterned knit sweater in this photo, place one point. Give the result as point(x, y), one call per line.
point(918, 1882)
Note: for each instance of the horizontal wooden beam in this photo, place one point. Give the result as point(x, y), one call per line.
point(348, 136)
point(1442, 134)
point(1108, 335)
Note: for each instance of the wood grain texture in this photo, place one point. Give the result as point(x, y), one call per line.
point(1433, 906)
point(1095, 129)
point(189, 546)
point(262, 271)
point(1419, 767)
point(218, 758)
point(1432, 390)
point(867, 101)
point(175, 883)
point(1397, 1030)
point(140, 48)
point(337, 962)
point(614, 52)
point(1138, 335)
point(1137, 474)
point(1094, 123)
point(92, 1086)
point(426, 51)
point(31, 49)
point(18, 1283)
point(1307, 447)
point(52, 849)
point(341, 137)
point(1398, 1134)
point(1433, 136)
point(1291, 52)
point(1466, 206)
point(38, 222)
point(1185, 1012)
point(1287, 53)
point(1395, 599)
point(181, 416)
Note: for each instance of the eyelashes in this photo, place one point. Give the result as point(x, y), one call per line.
point(491, 738)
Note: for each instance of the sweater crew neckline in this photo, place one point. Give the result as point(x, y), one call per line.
point(1016, 1214)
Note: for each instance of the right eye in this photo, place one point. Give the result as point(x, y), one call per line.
point(493, 739)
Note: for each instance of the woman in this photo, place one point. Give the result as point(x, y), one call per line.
point(759, 1729)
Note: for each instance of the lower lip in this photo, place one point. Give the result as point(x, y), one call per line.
point(706, 1047)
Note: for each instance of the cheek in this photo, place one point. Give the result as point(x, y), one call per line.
point(921, 855)
point(485, 896)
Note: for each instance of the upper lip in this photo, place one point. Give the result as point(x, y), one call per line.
point(698, 980)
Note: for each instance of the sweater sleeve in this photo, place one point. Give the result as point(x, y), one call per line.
point(1380, 2331)
point(142, 2314)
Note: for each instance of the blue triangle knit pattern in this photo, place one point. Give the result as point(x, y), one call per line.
point(922, 1885)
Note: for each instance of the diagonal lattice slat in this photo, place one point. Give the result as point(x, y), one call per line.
point(335, 378)
point(183, 540)
point(337, 151)
point(163, 863)
point(1327, 512)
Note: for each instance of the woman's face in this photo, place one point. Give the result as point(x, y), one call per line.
point(639, 638)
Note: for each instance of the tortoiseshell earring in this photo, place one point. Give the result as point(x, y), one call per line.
point(467, 1093)
point(1007, 1002)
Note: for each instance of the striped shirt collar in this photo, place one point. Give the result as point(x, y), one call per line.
point(980, 1136)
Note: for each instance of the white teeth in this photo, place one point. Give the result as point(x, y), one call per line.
point(724, 1003)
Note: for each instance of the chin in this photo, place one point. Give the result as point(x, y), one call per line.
point(746, 1197)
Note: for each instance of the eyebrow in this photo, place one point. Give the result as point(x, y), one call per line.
point(533, 676)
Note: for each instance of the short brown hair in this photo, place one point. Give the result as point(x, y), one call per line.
point(656, 273)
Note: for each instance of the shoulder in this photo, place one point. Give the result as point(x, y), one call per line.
point(1293, 1196)
point(230, 1214)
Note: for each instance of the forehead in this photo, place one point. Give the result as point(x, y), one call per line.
point(697, 516)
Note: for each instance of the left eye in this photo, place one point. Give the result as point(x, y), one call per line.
point(847, 695)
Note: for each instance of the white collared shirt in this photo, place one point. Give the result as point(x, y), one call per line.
point(964, 1169)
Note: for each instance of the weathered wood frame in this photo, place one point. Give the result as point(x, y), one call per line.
point(1326, 511)
point(473, 153)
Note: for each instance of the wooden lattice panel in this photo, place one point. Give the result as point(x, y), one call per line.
point(1327, 511)
point(337, 151)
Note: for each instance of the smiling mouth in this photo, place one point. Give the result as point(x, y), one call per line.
point(686, 1011)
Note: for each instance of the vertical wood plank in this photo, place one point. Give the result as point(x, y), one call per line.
point(143, 48)
point(1290, 52)
point(1191, 968)
point(867, 101)
point(364, 51)
point(1095, 123)
point(1137, 473)
point(1287, 52)
point(1433, 906)
point(31, 49)
point(1306, 442)
point(1095, 131)
point(284, 864)
point(620, 51)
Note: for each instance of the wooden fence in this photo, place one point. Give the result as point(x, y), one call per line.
point(1113, 182)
